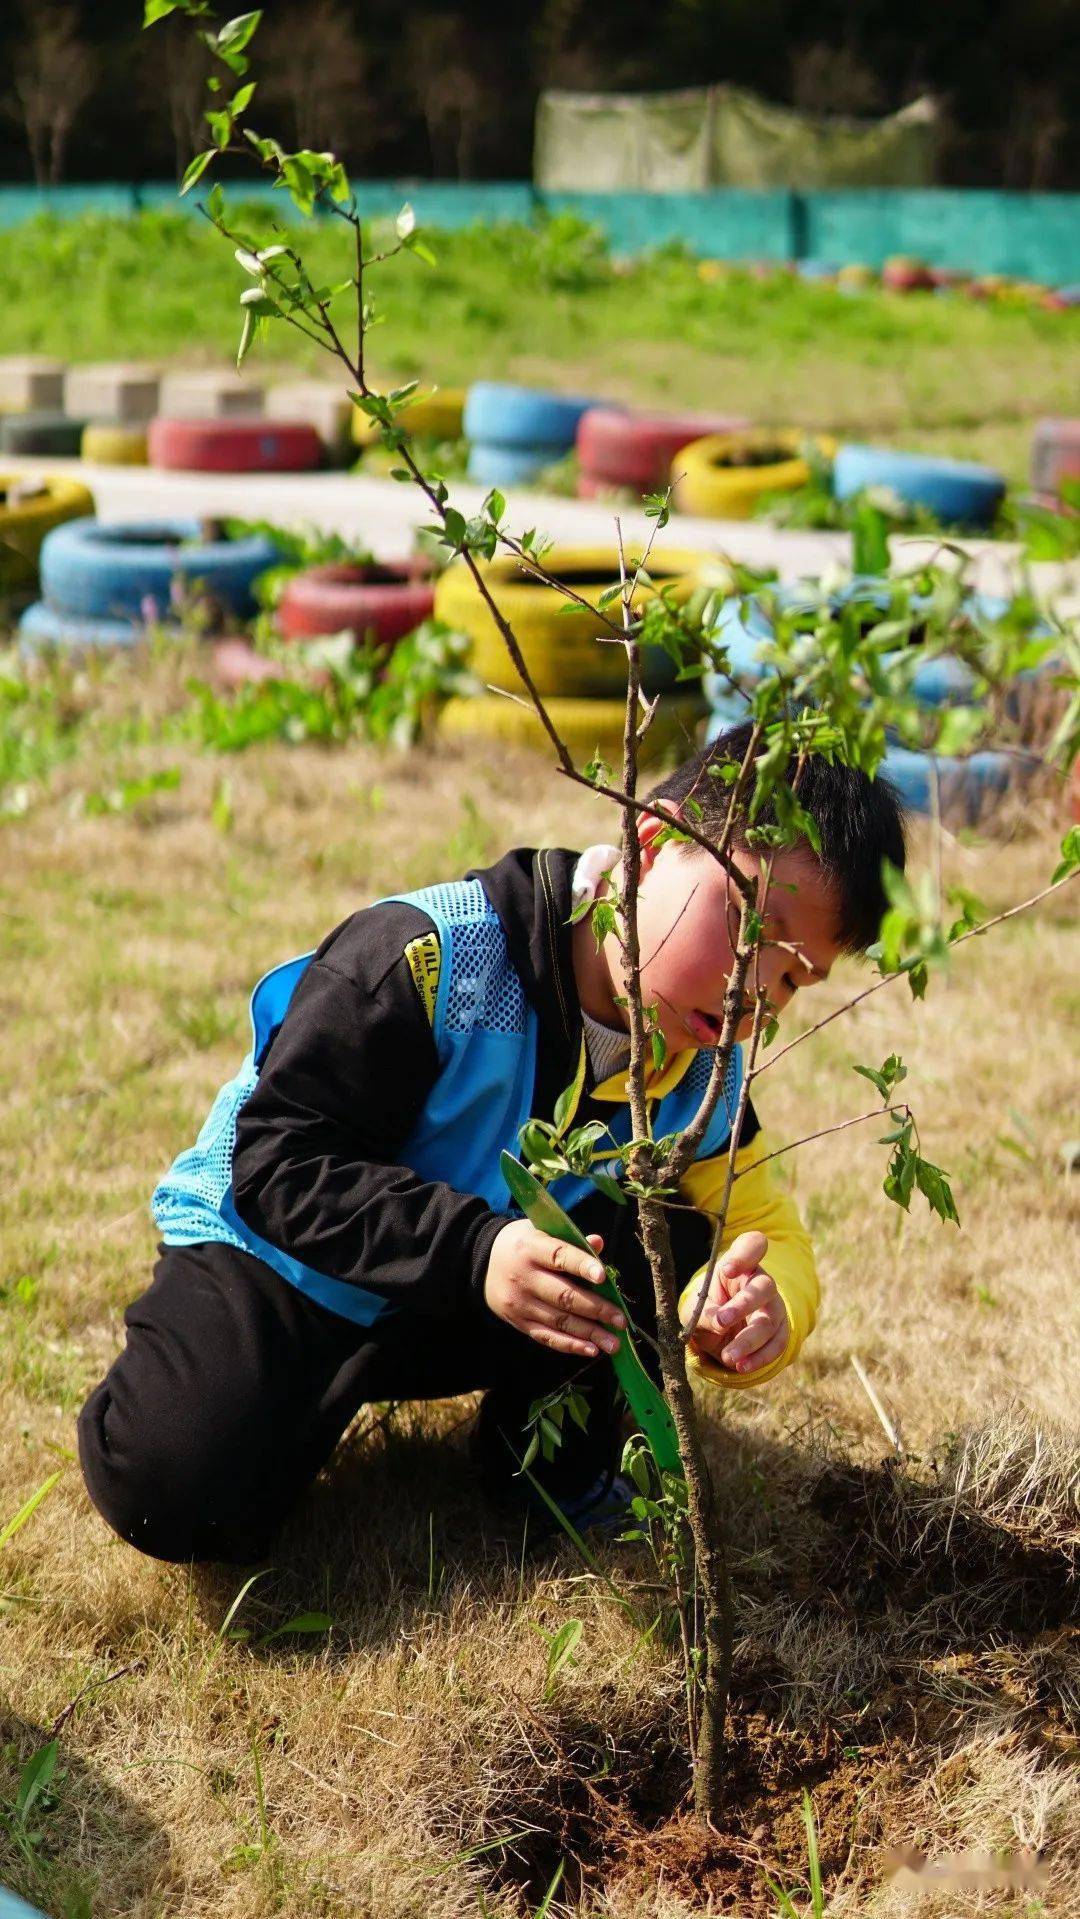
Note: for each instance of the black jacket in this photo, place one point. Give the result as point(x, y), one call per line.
point(315, 1167)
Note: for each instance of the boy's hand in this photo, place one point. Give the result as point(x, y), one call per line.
point(744, 1324)
point(532, 1283)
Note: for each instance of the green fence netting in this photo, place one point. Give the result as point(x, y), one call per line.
point(722, 137)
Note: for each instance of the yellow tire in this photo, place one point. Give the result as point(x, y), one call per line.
point(115, 445)
point(432, 416)
point(586, 727)
point(30, 508)
point(710, 479)
point(560, 647)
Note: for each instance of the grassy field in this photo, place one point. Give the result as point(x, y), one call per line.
point(906, 1626)
point(551, 307)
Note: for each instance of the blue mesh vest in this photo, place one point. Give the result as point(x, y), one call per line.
point(485, 1035)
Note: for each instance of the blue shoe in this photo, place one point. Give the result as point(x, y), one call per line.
point(604, 1507)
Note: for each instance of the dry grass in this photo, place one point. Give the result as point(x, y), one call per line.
point(907, 1648)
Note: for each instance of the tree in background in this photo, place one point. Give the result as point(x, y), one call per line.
point(828, 79)
point(316, 69)
point(54, 74)
point(187, 67)
point(446, 87)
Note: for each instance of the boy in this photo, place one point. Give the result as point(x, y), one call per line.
point(340, 1232)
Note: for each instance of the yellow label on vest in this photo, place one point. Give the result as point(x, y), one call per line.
point(425, 958)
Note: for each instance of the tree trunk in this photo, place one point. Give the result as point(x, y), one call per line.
point(710, 1772)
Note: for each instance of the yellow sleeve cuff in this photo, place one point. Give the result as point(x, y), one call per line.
point(756, 1204)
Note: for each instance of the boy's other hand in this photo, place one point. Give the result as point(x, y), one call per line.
point(744, 1324)
point(534, 1282)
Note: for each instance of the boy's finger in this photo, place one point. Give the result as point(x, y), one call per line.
point(759, 1329)
point(557, 1257)
point(744, 1255)
point(772, 1349)
point(575, 1325)
point(753, 1294)
point(559, 1342)
point(561, 1296)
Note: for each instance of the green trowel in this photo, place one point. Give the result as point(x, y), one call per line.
point(648, 1406)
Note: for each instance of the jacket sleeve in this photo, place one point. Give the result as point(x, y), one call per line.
point(316, 1169)
point(756, 1204)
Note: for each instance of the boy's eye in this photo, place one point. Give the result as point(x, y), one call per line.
point(789, 983)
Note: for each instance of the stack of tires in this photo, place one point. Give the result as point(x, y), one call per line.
point(958, 492)
point(514, 432)
point(725, 476)
point(619, 448)
point(580, 675)
point(963, 788)
point(379, 601)
point(29, 509)
point(234, 445)
point(102, 584)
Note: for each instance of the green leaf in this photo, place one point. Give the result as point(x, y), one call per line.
point(610, 1187)
point(659, 1050)
point(34, 1778)
point(454, 528)
point(892, 1072)
point(247, 336)
point(27, 1510)
point(934, 1185)
point(235, 34)
point(215, 202)
point(159, 10)
point(564, 1107)
point(301, 1622)
point(1070, 855)
point(220, 125)
point(242, 98)
point(494, 506)
point(603, 920)
point(197, 169)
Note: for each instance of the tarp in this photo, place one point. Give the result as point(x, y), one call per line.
point(722, 136)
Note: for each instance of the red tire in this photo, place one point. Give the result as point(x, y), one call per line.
point(383, 601)
point(234, 446)
point(904, 275)
point(617, 448)
point(1055, 456)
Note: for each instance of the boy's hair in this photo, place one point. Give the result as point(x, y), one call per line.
point(860, 822)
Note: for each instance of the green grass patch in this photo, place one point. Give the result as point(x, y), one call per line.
point(550, 305)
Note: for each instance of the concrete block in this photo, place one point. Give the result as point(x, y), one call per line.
point(201, 395)
point(320, 403)
point(30, 383)
point(122, 393)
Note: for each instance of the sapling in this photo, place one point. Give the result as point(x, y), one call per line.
point(832, 682)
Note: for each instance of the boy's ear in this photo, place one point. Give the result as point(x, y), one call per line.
point(650, 825)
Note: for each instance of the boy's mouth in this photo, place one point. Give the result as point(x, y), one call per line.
point(705, 1027)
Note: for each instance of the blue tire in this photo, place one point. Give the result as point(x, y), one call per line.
point(958, 491)
point(507, 465)
point(816, 270)
point(516, 416)
point(964, 786)
point(106, 570)
point(41, 628)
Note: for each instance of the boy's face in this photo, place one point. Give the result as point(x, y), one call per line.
point(688, 922)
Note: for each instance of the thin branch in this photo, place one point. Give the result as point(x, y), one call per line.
point(878, 1112)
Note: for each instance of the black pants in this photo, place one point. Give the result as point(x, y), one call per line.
point(234, 1389)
